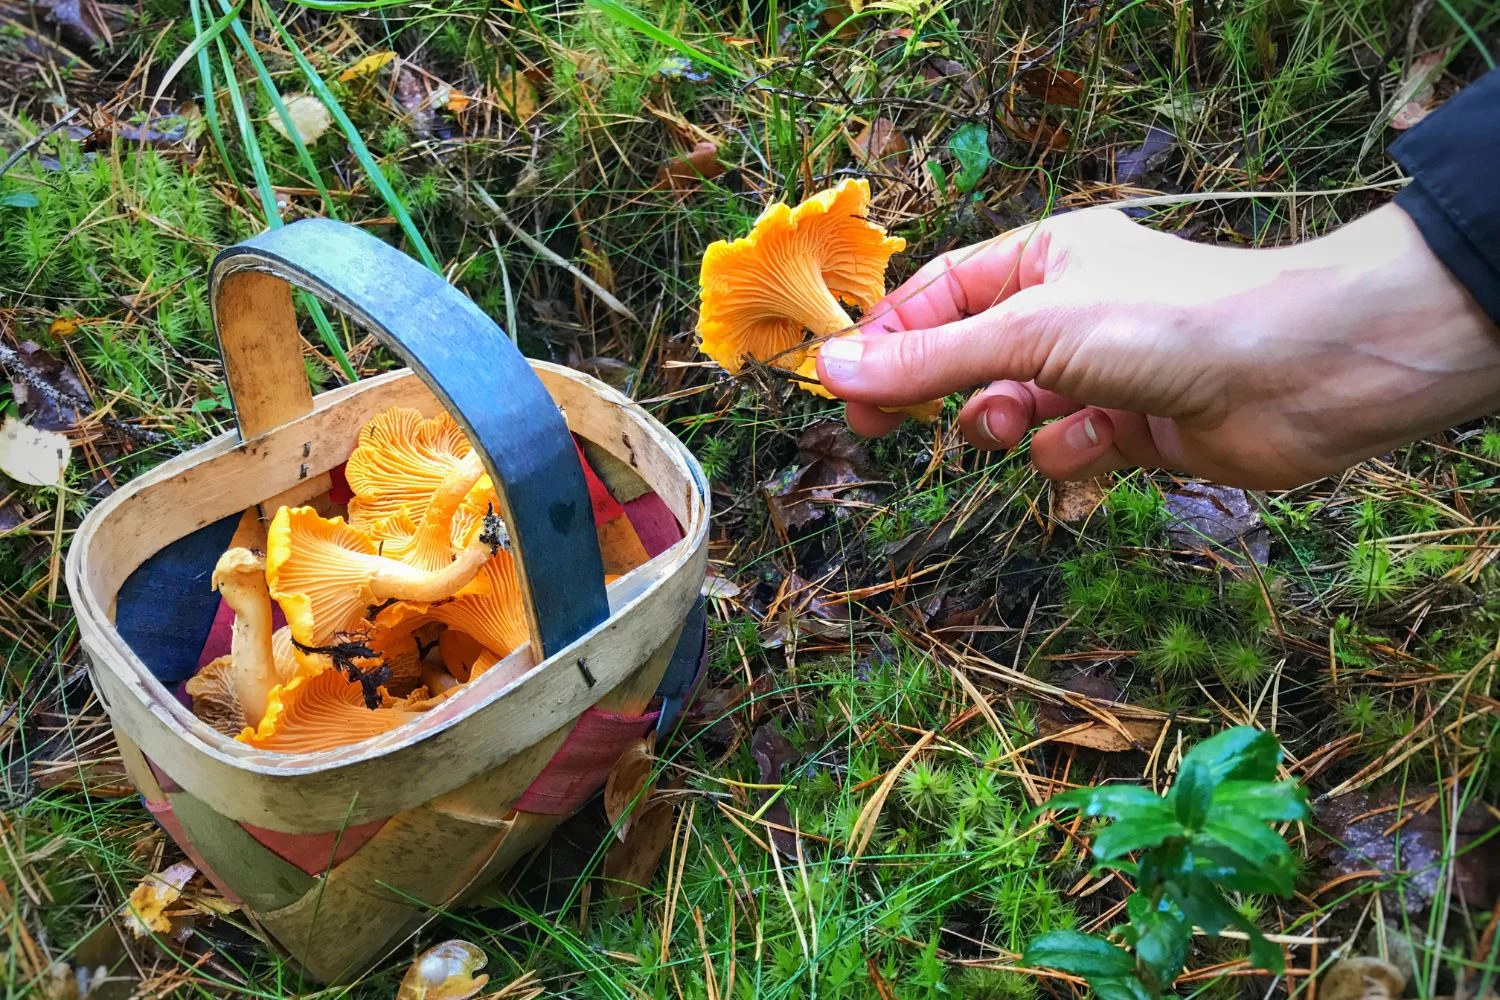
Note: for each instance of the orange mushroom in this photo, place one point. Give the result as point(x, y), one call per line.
point(327, 574)
point(323, 712)
point(793, 274)
point(233, 690)
point(403, 461)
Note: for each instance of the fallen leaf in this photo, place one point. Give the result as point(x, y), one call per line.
point(629, 784)
point(880, 144)
point(1211, 518)
point(687, 170)
point(773, 752)
point(1410, 114)
point(1061, 722)
point(1361, 979)
point(309, 117)
point(834, 465)
point(445, 972)
point(85, 20)
point(1416, 849)
point(62, 326)
point(1062, 87)
point(31, 455)
point(48, 393)
point(717, 586)
point(631, 863)
point(367, 66)
point(517, 96)
point(457, 101)
point(1132, 163)
point(1074, 501)
point(145, 912)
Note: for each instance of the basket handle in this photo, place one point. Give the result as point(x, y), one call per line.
point(467, 361)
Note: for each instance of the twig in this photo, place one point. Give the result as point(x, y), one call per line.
point(551, 256)
point(36, 141)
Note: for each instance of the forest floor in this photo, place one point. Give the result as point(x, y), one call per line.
point(903, 615)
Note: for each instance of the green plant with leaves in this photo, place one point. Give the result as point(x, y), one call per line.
point(1210, 834)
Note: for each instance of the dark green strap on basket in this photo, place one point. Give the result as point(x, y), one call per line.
point(478, 374)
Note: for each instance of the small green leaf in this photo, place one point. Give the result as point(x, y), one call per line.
point(1162, 937)
point(1260, 801)
point(970, 146)
point(1258, 844)
point(1120, 988)
point(19, 199)
point(1192, 793)
point(1136, 832)
point(1080, 954)
point(1242, 752)
point(1114, 801)
point(939, 176)
point(206, 405)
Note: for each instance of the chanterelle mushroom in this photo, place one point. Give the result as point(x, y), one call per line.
point(403, 461)
point(327, 574)
point(762, 294)
point(323, 712)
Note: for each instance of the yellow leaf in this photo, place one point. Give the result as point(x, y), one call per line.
point(517, 96)
point(367, 66)
point(63, 326)
point(146, 911)
point(458, 101)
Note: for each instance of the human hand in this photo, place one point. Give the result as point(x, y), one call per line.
point(1259, 368)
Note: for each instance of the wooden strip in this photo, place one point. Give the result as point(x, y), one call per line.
point(255, 874)
point(258, 340)
point(335, 930)
point(489, 799)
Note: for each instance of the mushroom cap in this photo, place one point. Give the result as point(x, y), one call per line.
point(401, 460)
point(429, 541)
point(491, 609)
point(212, 688)
point(319, 571)
point(761, 292)
point(320, 713)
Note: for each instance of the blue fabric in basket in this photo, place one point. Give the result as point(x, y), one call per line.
point(166, 607)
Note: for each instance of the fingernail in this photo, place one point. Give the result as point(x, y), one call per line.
point(984, 426)
point(839, 357)
point(1081, 435)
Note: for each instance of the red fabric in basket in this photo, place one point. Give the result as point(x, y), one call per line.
point(315, 853)
point(582, 764)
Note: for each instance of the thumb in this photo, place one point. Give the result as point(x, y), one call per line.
point(1011, 340)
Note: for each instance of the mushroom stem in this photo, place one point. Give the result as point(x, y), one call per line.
point(818, 309)
point(395, 580)
point(240, 576)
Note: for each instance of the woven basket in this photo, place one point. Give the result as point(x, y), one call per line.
point(340, 855)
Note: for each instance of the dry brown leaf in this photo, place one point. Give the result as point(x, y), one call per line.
point(145, 912)
point(368, 66)
point(517, 96)
point(1074, 501)
point(1361, 979)
point(687, 170)
point(628, 780)
point(445, 972)
point(631, 864)
point(881, 144)
point(1096, 735)
point(1062, 87)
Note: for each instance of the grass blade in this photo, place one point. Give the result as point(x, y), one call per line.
point(622, 14)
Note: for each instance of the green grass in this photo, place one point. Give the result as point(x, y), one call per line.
point(1369, 631)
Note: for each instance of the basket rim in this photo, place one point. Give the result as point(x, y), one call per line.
point(628, 594)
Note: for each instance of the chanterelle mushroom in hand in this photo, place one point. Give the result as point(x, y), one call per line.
point(762, 295)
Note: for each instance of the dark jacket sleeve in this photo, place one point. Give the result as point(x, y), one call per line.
point(1453, 157)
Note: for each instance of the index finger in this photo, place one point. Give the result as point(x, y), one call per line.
point(961, 283)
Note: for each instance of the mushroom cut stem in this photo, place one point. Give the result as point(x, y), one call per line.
point(240, 576)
